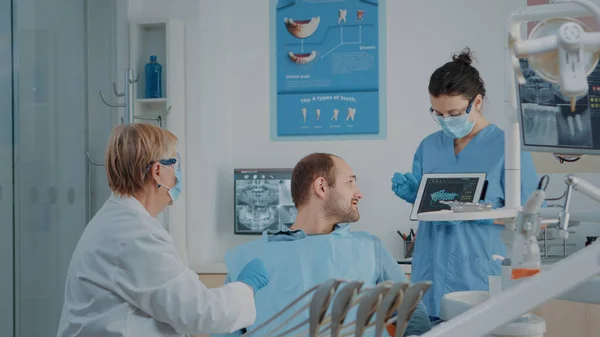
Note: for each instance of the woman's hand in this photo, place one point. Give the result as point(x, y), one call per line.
point(254, 275)
point(405, 186)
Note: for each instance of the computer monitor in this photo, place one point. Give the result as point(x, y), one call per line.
point(263, 201)
point(546, 121)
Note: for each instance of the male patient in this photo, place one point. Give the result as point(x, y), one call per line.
point(319, 246)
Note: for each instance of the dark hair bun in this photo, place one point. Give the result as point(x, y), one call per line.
point(464, 57)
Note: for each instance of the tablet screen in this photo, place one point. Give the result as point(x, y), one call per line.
point(447, 189)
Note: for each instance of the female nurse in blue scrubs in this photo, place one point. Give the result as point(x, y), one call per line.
point(457, 255)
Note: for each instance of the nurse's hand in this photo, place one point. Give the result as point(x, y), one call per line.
point(254, 275)
point(405, 186)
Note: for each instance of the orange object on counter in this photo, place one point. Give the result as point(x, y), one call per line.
point(524, 272)
point(391, 329)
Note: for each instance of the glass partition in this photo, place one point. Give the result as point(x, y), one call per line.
point(6, 172)
point(50, 165)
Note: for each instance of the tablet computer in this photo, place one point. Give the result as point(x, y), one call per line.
point(436, 187)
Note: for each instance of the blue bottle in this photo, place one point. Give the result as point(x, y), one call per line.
point(153, 78)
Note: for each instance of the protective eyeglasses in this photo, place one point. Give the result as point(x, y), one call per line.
point(464, 111)
point(175, 162)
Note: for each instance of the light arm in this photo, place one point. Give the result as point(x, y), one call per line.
point(591, 41)
point(536, 46)
point(589, 5)
point(573, 77)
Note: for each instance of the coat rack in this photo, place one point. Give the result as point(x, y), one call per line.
point(129, 116)
point(129, 105)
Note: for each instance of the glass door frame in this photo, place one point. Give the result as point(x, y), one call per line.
point(7, 170)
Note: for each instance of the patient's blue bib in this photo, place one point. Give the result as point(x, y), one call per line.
point(297, 265)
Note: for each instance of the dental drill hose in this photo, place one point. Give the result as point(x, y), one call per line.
point(526, 257)
point(528, 218)
point(529, 211)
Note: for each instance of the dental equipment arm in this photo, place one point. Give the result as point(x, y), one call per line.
point(524, 296)
point(525, 258)
point(582, 186)
point(533, 291)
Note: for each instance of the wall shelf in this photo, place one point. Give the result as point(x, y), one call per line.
point(151, 100)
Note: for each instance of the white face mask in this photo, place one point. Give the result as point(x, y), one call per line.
point(174, 191)
point(456, 127)
point(175, 164)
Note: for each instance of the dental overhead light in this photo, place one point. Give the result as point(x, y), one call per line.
point(563, 51)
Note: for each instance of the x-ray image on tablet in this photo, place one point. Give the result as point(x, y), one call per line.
point(463, 187)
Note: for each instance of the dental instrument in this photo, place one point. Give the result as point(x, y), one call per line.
point(319, 305)
point(367, 307)
point(389, 306)
point(378, 307)
point(411, 298)
point(341, 306)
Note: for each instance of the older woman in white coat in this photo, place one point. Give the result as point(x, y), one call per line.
point(125, 277)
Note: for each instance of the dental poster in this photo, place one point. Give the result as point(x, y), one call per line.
point(327, 67)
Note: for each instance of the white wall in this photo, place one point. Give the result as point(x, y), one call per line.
point(227, 99)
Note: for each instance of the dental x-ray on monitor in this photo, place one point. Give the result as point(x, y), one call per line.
point(547, 121)
point(263, 201)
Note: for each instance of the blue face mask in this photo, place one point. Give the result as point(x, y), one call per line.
point(457, 126)
point(175, 164)
point(175, 191)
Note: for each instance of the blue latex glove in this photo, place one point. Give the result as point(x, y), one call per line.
point(405, 186)
point(254, 275)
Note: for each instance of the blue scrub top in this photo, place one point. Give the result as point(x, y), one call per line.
point(457, 256)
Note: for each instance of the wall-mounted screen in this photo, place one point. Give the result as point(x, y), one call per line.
point(547, 122)
point(263, 201)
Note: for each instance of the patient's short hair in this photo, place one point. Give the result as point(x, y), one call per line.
point(305, 172)
point(130, 150)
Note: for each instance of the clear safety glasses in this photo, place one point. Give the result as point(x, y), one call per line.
point(436, 114)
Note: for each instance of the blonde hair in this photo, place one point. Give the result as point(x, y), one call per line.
point(130, 150)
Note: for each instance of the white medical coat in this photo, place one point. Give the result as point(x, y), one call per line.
point(126, 279)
